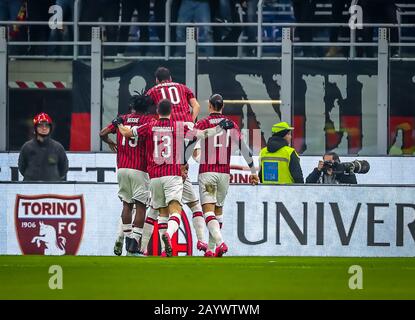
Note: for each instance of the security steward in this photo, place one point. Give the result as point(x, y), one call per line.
point(280, 163)
point(42, 158)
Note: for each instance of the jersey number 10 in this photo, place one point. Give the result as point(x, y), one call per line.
point(173, 93)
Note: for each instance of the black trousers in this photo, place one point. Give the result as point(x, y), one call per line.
point(91, 11)
point(381, 11)
point(160, 16)
point(38, 11)
point(304, 12)
point(127, 10)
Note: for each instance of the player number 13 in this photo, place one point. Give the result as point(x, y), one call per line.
point(166, 140)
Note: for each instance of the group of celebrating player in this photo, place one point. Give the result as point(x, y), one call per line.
point(152, 155)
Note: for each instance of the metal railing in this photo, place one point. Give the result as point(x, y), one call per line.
point(287, 46)
point(168, 25)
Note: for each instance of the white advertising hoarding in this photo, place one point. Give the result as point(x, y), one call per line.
point(305, 220)
point(101, 167)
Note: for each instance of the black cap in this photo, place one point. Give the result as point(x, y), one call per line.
point(216, 101)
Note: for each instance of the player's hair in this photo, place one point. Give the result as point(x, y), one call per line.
point(333, 154)
point(162, 74)
point(216, 101)
point(164, 108)
point(140, 102)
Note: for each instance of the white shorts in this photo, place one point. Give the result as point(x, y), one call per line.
point(134, 185)
point(164, 190)
point(189, 194)
point(213, 187)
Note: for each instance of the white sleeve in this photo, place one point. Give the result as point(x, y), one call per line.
point(134, 131)
point(203, 134)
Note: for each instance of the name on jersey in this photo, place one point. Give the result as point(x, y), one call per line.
point(162, 129)
point(166, 84)
point(215, 120)
point(133, 120)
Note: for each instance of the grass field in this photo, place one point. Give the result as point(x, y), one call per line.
point(195, 278)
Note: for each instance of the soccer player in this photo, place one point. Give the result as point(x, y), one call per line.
point(181, 98)
point(165, 144)
point(214, 171)
point(132, 176)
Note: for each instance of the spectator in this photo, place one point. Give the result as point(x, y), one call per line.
point(251, 32)
point(92, 11)
point(42, 158)
point(338, 6)
point(14, 10)
point(66, 34)
point(127, 10)
point(304, 12)
point(225, 11)
point(195, 11)
point(38, 11)
point(377, 11)
point(160, 16)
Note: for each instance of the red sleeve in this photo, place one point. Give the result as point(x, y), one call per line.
point(112, 128)
point(189, 93)
point(200, 125)
point(142, 130)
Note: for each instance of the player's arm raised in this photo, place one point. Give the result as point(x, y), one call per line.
point(137, 131)
point(248, 156)
point(206, 133)
point(118, 122)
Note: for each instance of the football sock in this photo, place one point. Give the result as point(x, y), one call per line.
point(148, 228)
point(137, 233)
point(211, 244)
point(120, 231)
point(213, 226)
point(220, 220)
point(127, 229)
point(173, 224)
point(162, 224)
point(198, 222)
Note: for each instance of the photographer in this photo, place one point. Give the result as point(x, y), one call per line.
point(325, 172)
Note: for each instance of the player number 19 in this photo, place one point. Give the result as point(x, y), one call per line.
point(132, 141)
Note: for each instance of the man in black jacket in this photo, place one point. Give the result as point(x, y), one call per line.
point(324, 174)
point(42, 158)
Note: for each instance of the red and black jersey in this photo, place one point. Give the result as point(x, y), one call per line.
point(165, 141)
point(178, 94)
point(216, 151)
point(131, 152)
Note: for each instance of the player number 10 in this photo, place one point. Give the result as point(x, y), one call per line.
point(174, 96)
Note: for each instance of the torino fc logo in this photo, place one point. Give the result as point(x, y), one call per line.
point(49, 224)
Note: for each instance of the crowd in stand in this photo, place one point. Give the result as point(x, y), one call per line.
point(374, 11)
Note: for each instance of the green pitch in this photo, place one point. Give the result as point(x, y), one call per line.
point(27, 277)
